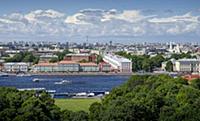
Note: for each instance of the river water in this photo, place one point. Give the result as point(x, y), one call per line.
point(77, 83)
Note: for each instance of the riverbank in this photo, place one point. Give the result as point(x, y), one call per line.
point(81, 74)
point(76, 73)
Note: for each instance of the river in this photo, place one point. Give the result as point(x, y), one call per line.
point(77, 83)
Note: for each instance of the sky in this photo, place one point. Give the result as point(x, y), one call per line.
point(100, 20)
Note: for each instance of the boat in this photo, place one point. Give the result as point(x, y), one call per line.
point(3, 75)
point(36, 80)
point(63, 82)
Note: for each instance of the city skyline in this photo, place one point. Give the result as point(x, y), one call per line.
point(118, 21)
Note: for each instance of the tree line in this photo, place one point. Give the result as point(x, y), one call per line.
point(23, 57)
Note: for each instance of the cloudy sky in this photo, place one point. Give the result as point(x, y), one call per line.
point(101, 20)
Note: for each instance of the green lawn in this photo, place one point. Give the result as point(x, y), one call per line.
point(75, 104)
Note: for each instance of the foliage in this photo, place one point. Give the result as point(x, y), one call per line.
point(147, 63)
point(169, 66)
point(27, 106)
point(83, 61)
point(99, 59)
point(150, 98)
point(143, 62)
point(61, 55)
point(182, 55)
point(53, 60)
point(195, 83)
point(23, 57)
point(67, 115)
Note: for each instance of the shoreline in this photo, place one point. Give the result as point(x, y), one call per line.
point(75, 74)
point(84, 74)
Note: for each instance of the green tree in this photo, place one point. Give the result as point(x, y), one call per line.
point(157, 60)
point(95, 110)
point(83, 61)
point(61, 55)
point(150, 98)
point(147, 65)
point(27, 106)
point(169, 66)
point(53, 60)
point(23, 57)
point(99, 59)
point(195, 83)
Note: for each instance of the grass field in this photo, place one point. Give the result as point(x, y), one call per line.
point(76, 104)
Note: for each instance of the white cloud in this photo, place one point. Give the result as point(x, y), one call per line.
point(184, 18)
point(75, 19)
point(50, 14)
point(127, 15)
point(97, 22)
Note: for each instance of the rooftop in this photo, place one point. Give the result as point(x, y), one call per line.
point(88, 64)
point(47, 64)
point(67, 62)
point(188, 60)
point(15, 63)
point(117, 58)
point(79, 54)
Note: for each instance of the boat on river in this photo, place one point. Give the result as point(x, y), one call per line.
point(63, 82)
point(3, 75)
point(36, 80)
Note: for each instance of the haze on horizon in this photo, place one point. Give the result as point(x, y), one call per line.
point(105, 20)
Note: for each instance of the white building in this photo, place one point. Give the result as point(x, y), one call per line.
point(15, 67)
point(174, 48)
point(118, 63)
point(187, 65)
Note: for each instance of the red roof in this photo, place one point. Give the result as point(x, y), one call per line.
point(67, 62)
point(191, 77)
point(88, 64)
point(47, 64)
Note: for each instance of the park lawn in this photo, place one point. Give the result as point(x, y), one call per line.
point(76, 104)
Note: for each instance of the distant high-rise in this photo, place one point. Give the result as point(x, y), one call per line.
point(110, 43)
point(67, 45)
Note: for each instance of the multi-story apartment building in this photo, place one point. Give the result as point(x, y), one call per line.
point(118, 63)
point(15, 67)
